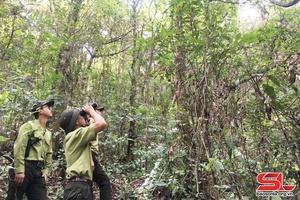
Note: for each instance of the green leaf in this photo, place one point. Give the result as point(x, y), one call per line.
point(274, 80)
point(277, 105)
point(283, 89)
point(2, 138)
point(3, 97)
point(210, 164)
point(249, 38)
point(218, 166)
point(230, 146)
point(269, 90)
point(149, 187)
point(160, 183)
point(295, 89)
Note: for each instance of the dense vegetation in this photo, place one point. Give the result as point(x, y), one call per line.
point(198, 102)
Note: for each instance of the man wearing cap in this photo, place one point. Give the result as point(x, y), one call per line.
point(32, 156)
point(79, 134)
point(99, 176)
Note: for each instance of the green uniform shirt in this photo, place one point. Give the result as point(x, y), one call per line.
point(95, 146)
point(78, 152)
point(41, 150)
point(95, 143)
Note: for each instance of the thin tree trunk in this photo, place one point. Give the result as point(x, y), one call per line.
point(133, 92)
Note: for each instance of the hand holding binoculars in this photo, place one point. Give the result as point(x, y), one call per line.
point(95, 106)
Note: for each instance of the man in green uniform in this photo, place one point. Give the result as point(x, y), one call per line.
point(32, 156)
point(79, 135)
point(99, 176)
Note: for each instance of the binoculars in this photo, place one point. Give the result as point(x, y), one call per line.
point(95, 106)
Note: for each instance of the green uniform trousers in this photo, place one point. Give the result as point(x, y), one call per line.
point(34, 185)
point(102, 180)
point(78, 191)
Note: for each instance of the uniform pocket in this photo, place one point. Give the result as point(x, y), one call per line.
point(36, 137)
point(11, 174)
point(78, 190)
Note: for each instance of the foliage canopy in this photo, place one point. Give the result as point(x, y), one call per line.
point(197, 107)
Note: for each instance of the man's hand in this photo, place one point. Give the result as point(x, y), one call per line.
point(19, 178)
point(45, 177)
point(99, 122)
point(93, 165)
point(88, 109)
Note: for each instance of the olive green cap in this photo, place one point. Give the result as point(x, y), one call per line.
point(37, 106)
point(68, 118)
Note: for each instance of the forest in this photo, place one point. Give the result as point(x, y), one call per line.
point(200, 96)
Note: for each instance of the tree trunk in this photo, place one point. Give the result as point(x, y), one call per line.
point(133, 91)
point(64, 67)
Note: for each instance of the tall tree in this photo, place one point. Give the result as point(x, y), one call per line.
point(132, 136)
point(66, 65)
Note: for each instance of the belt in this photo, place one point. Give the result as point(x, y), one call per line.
point(83, 180)
point(40, 164)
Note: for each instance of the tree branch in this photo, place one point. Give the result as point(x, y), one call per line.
point(283, 4)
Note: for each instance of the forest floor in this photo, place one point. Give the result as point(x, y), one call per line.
point(55, 187)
